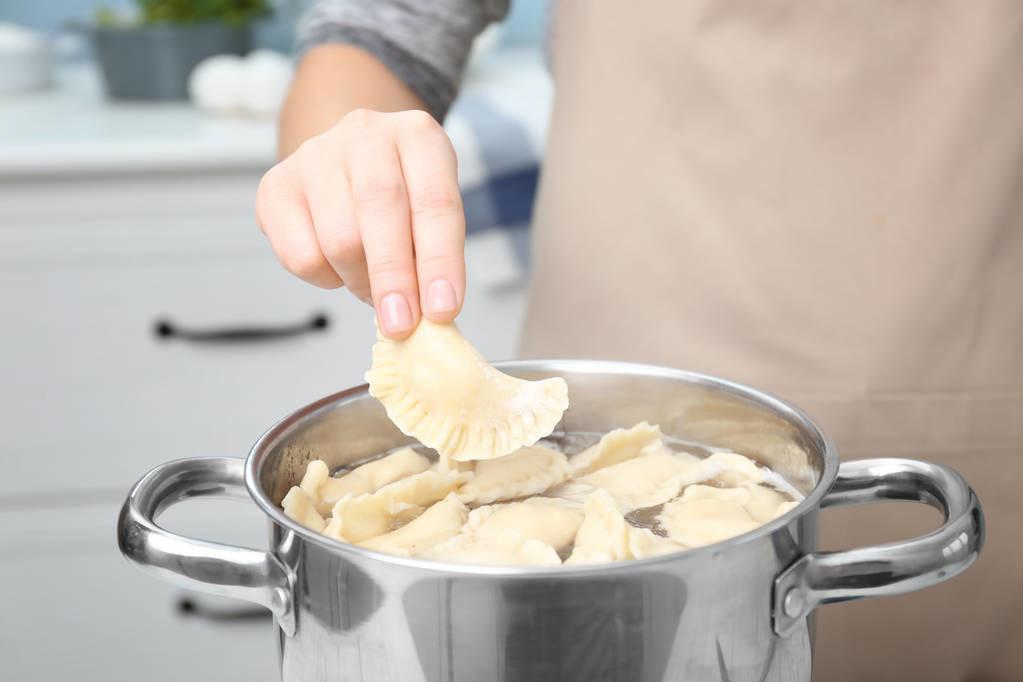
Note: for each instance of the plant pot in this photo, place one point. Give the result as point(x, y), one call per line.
point(153, 62)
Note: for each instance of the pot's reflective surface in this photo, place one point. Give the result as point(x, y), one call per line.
point(737, 610)
point(360, 619)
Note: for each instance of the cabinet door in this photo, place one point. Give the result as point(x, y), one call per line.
point(75, 609)
point(93, 396)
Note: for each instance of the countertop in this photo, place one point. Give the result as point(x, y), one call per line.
point(72, 129)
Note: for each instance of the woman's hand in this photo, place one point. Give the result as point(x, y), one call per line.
point(373, 204)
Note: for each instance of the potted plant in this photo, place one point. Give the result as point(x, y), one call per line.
point(150, 55)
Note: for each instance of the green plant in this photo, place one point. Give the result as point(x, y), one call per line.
point(108, 18)
point(193, 11)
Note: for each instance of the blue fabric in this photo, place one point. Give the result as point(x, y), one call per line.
point(505, 199)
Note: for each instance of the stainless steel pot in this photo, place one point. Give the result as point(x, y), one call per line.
point(737, 610)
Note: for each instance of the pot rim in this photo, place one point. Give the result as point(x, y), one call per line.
point(784, 409)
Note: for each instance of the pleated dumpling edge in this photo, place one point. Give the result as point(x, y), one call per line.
point(439, 390)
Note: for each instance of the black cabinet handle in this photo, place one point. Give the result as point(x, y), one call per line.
point(190, 606)
point(165, 329)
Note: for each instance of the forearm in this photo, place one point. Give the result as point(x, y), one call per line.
point(332, 80)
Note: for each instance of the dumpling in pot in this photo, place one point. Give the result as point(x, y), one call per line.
point(505, 549)
point(438, 389)
point(643, 481)
point(528, 471)
point(299, 507)
point(606, 536)
point(614, 447)
point(554, 522)
point(325, 490)
point(766, 504)
point(439, 523)
point(705, 515)
point(357, 518)
point(733, 469)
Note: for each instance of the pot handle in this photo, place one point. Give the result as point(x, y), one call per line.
point(237, 572)
point(827, 577)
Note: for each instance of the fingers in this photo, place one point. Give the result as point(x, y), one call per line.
point(382, 213)
point(333, 215)
point(438, 220)
point(374, 204)
point(283, 215)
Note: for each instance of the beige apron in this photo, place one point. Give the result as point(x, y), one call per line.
point(823, 199)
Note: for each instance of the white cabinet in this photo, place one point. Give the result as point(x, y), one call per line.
point(96, 397)
point(75, 609)
point(92, 398)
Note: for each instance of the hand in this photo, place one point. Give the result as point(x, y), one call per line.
point(373, 204)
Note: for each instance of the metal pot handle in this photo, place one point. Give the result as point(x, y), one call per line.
point(237, 572)
point(895, 568)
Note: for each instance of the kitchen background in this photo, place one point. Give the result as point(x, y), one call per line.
point(146, 319)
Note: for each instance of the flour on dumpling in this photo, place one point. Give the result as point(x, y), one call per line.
point(525, 472)
point(606, 536)
point(360, 517)
point(438, 389)
point(325, 490)
point(439, 523)
point(614, 447)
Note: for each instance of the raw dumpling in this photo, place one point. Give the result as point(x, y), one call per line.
point(614, 447)
point(659, 475)
point(605, 535)
point(528, 471)
point(765, 504)
point(505, 549)
point(437, 524)
point(734, 469)
point(437, 388)
point(704, 515)
point(299, 507)
point(554, 522)
point(645, 481)
point(325, 491)
point(361, 517)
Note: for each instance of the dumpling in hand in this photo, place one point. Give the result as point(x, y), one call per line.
point(643, 481)
point(439, 523)
point(505, 549)
point(528, 471)
point(359, 518)
point(553, 522)
point(614, 447)
point(438, 389)
point(705, 515)
point(299, 507)
point(325, 491)
point(606, 536)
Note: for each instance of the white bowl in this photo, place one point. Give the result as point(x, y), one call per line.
point(25, 64)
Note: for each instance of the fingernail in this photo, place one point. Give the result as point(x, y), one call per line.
point(395, 314)
point(440, 297)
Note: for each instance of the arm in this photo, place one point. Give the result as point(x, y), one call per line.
point(331, 81)
point(366, 195)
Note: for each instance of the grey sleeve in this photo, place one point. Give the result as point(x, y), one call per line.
point(424, 42)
